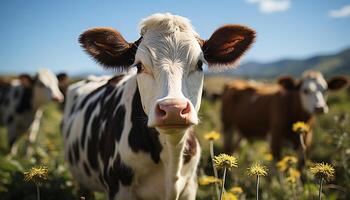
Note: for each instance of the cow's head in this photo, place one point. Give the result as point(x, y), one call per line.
point(169, 57)
point(313, 88)
point(44, 86)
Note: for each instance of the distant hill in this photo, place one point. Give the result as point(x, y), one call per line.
point(338, 63)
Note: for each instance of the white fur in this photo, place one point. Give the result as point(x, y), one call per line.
point(312, 92)
point(169, 52)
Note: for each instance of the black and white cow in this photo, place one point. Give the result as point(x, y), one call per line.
point(131, 135)
point(21, 99)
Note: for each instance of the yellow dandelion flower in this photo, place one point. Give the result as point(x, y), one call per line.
point(224, 160)
point(323, 170)
point(268, 157)
point(213, 135)
point(286, 162)
point(257, 170)
point(236, 190)
point(294, 175)
point(229, 196)
point(36, 174)
point(207, 180)
point(282, 166)
point(301, 127)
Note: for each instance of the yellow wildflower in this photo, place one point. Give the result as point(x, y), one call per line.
point(301, 127)
point(213, 135)
point(236, 190)
point(268, 157)
point(294, 175)
point(207, 180)
point(229, 196)
point(224, 160)
point(36, 174)
point(286, 162)
point(257, 170)
point(323, 170)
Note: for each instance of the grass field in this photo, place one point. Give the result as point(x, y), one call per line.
point(331, 144)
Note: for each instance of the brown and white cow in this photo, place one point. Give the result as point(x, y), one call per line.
point(256, 109)
point(130, 135)
point(20, 102)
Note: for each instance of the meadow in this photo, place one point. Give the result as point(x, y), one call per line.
point(331, 144)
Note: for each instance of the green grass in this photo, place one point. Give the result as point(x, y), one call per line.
point(331, 144)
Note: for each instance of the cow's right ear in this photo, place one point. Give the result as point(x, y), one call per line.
point(288, 82)
point(337, 82)
point(108, 47)
point(26, 80)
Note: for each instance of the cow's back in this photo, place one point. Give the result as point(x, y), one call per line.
point(249, 107)
point(92, 125)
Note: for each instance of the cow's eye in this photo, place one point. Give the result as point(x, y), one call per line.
point(140, 67)
point(306, 91)
point(40, 84)
point(200, 65)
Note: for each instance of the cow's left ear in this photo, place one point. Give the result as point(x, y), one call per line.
point(288, 82)
point(337, 82)
point(26, 80)
point(227, 44)
point(108, 47)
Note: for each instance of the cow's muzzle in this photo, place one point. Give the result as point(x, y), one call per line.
point(173, 114)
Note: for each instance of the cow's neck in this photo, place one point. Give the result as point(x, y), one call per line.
point(173, 160)
point(298, 113)
point(172, 150)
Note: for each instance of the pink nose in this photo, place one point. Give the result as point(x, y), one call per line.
point(57, 99)
point(173, 112)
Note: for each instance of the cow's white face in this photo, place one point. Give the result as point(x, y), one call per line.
point(313, 94)
point(169, 57)
point(170, 74)
point(45, 88)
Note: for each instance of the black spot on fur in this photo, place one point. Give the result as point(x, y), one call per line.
point(86, 169)
point(115, 80)
point(76, 151)
point(16, 94)
point(119, 172)
point(112, 133)
point(9, 119)
point(70, 156)
point(141, 137)
point(25, 102)
point(86, 99)
point(87, 116)
point(93, 144)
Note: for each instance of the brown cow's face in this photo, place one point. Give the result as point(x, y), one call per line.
point(169, 57)
point(313, 90)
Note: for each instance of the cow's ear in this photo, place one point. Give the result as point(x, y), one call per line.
point(337, 82)
point(227, 44)
point(288, 82)
point(108, 47)
point(26, 80)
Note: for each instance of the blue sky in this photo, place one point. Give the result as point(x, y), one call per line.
point(44, 33)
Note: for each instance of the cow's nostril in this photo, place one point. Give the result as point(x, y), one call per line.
point(187, 109)
point(159, 111)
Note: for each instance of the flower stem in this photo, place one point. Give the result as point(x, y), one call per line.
point(223, 183)
point(320, 190)
point(302, 142)
point(257, 187)
point(37, 192)
point(214, 168)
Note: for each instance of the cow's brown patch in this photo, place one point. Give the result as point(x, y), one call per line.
point(191, 147)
